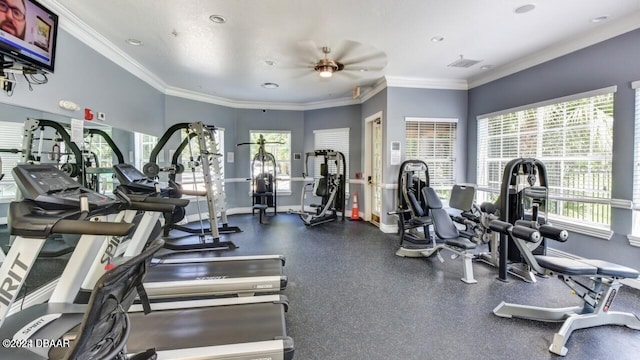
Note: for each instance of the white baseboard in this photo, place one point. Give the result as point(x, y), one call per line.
point(634, 283)
point(389, 229)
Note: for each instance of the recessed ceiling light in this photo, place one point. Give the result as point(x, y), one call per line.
point(525, 8)
point(270, 62)
point(437, 39)
point(364, 70)
point(599, 19)
point(218, 19)
point(270, 85)
point(134, 42)
point(486, 67)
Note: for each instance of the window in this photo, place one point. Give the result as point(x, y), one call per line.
point(433, 141)
point(336, 140)
point(572, 136)
point(11, 135)
point(636, 170)
point(144, 144)
point(281, 152)
point(101, 157)
point(191, 180)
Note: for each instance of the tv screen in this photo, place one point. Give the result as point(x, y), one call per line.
point(28, 33)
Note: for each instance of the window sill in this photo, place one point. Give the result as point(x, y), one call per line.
point(634, 240)
point(590, 230)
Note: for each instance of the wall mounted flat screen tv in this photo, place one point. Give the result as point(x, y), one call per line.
point(28, 33)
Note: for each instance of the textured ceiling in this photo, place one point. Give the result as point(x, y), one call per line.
point(389, 38)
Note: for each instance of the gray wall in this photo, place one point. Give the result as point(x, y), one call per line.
point(377, 103)
point(612, 62)
point(90, 80)
point(404, 102)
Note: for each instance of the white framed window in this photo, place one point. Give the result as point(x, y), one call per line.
point(143, 145)
point(635, 230)
point(279, 145)
point(195, 180)
point(11, 134)
point(102, 155)
point(336, 140)
point(572, 136)
point(433, 140)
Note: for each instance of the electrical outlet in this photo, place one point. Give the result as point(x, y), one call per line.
point(102, 116)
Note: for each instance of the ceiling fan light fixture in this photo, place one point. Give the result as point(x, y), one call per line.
point(325, 71)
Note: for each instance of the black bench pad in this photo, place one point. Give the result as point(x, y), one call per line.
point(461, 243)
point(422, 220)
point(606, 268)
point(260, 206)
point(566, 266)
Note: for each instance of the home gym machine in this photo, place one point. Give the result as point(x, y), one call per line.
point(412, 178)
point(329, 188)
point(208, 162)
point(524, 198)
point(264, 186)
point(523, 201)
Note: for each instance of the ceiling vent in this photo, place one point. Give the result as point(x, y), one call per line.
point(463, 63)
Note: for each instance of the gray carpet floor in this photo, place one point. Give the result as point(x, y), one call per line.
point(352, 298)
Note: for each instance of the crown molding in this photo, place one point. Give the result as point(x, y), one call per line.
point(598, 34)
point(380, 85)
point(444, 84)
point(85, 33)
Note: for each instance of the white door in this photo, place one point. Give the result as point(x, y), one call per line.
point(375, 179)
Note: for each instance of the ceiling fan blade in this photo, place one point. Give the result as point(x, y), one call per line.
point(377, 57)
point(350, 75)
point(309, 49)
point(343, 49)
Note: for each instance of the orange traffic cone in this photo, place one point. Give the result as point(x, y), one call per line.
point(355, 215)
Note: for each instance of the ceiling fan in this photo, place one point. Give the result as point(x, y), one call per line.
point(326, 67)
point(347, 57)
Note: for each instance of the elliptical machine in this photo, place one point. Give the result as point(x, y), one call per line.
point(329, 187)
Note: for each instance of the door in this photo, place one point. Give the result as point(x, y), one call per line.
point(375, 179)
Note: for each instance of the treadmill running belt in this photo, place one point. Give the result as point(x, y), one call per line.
point(228, 269)
point(211, 326)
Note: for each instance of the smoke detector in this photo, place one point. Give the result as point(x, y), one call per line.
point(463, 63)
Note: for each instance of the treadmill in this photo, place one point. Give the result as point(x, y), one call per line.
point(228, 328)
point(190, 277)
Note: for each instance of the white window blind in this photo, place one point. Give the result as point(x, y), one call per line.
point(572, 137)
point(281, 152)
point(336, 140)
point(636, 170)
point(433, 141)
point(11, 135)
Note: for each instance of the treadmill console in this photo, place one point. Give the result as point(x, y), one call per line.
point(135, 180)
point(52, 188)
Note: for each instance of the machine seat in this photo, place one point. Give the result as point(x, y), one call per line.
point(566, 266)
point(461, 243)
point(606, 268)
point(421, 221)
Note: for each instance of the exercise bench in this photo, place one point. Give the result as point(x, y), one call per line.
point(598, 296)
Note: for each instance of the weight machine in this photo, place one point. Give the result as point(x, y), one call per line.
point(74, 161)
point(208, 160)
point(411, 204)
point(329, 187)
point(264, 185)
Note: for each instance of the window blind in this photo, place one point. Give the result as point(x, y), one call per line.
point(11, 135)
point(572, 138)
point(636, 168)
point(433, 141)
point(332, 139)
